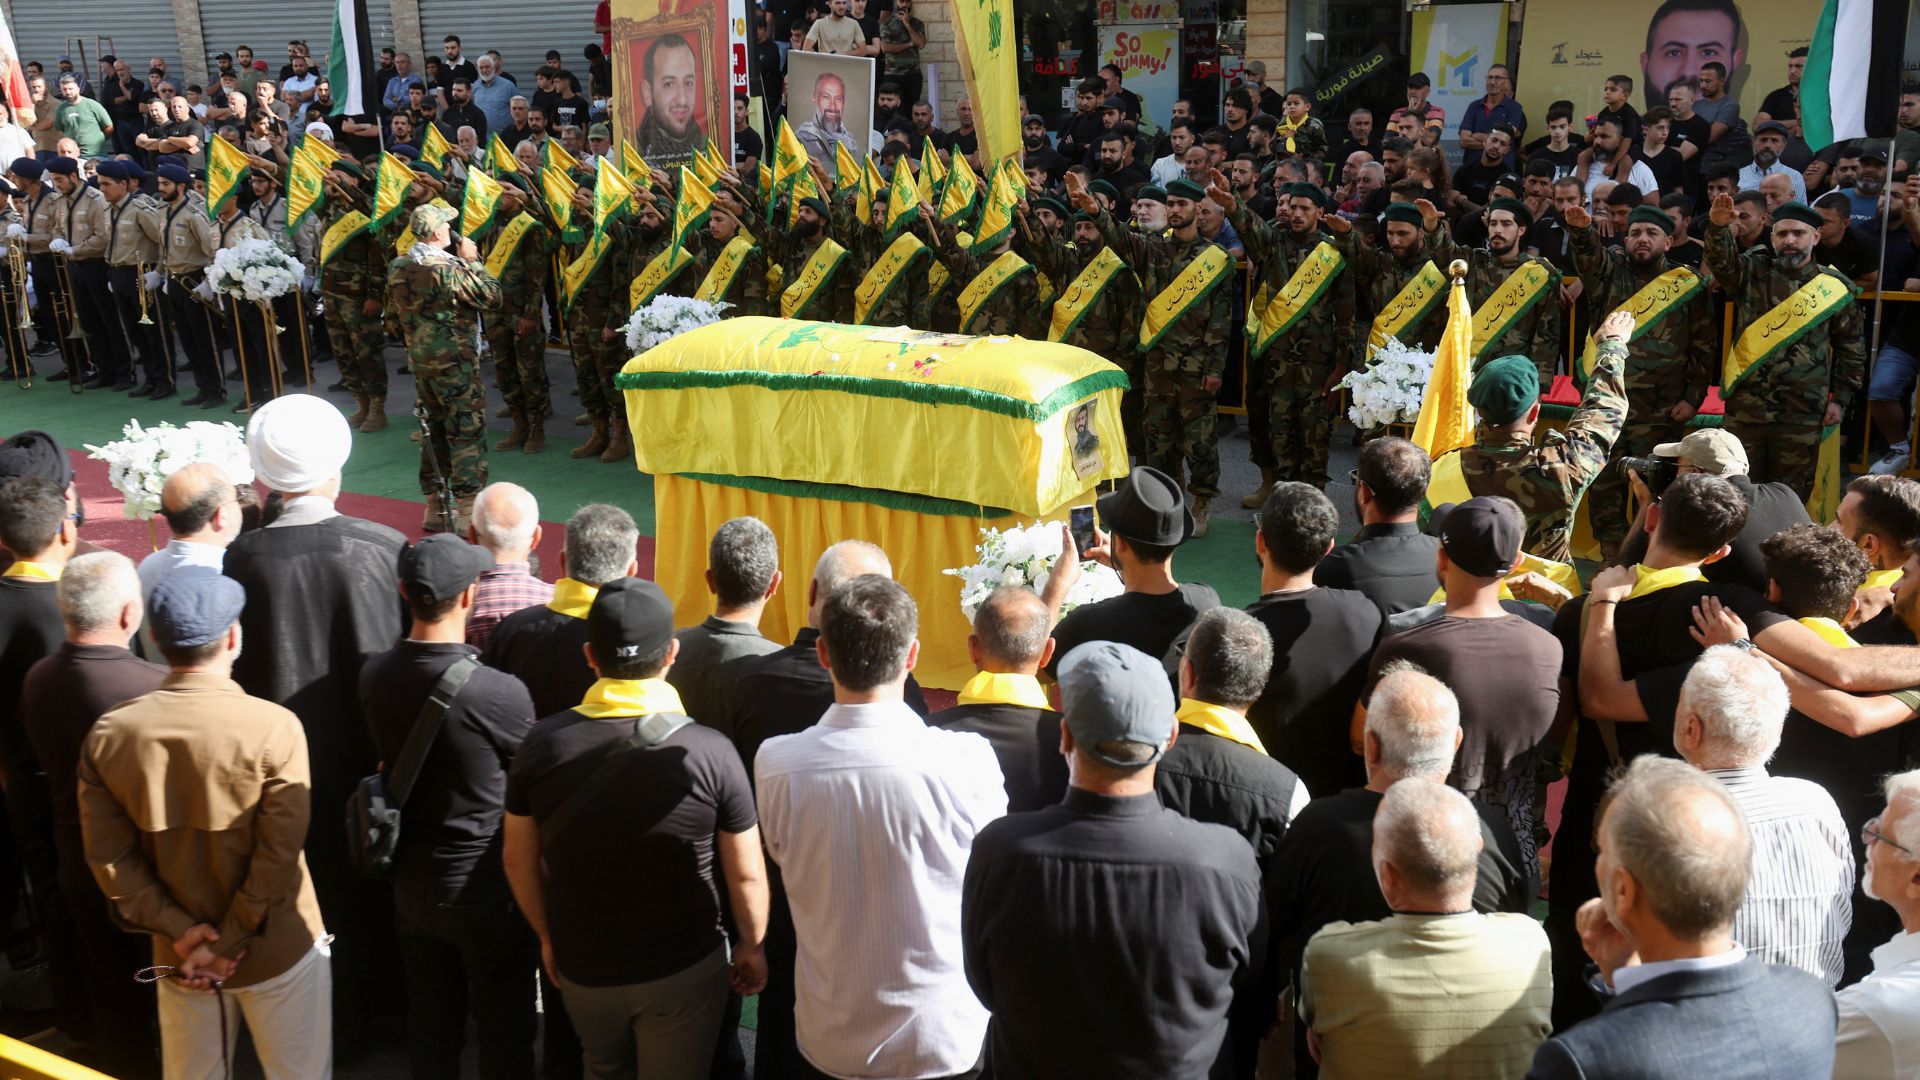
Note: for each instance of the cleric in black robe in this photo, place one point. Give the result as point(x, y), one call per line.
point(321, 599)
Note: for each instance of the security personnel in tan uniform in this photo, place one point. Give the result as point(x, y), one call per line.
point(134, 228)
point(246, 324)
point(187, 245)
point(37, 229)
point(269, 212)
point(83, 243)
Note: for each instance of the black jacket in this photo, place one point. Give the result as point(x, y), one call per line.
point(1392, 564)
point(1027, 742)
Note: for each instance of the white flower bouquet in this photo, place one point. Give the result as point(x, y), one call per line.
point(1391, 387)
point(1025, 556)
point(139, 463)
point(665, 316)
point(254, 270)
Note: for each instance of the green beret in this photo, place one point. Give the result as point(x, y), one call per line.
point(1406, 213)
point(350, 167)
point(1048, 203)
point(423, 167)
point(1519, 211)
point(1080, 216)
point(1183, 188)
point(1305, 190)
point(1103, 187)
point(1504, 389)
point(1795, 210)
point(1654, 215)
point(516, 180)
point(1152, 193)
point(818, 206)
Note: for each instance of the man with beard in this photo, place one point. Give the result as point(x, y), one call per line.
point(462, 112)
point(1039, 152)
point(818, 275)
point(1098, 308)
point(1403, 287)
point(1117, 166)
point(1669, 357)
point(187, 245)
point(1299, 322)
point(999, 294)
point(1184, 332)
point(1518, 293)
point(827, 126)
point(1080, 133)
point(1769, 139)
point(669, 91)
point(1864, 189)
point(1799, 360)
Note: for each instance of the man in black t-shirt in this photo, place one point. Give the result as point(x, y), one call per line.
point(1148, 519)
point(463, 947)
point(1842, 246)
point(1770, 507)
point(625, 821)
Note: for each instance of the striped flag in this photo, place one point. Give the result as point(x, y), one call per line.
point(353, 66)
point(1851, 83)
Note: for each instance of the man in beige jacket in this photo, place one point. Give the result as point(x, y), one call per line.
point(194, 808)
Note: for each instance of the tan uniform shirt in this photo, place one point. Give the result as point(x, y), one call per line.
point(236, 230)
point(86, 223)
point(134, 227)
point(45, 213)
point(189, 242)
point(194, 803)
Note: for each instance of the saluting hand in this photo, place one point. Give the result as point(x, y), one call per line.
point(1722, 212)
point(1429, 213)
point(1081, 197)
point(1617, 327)
point(1576, 217)
point(1219, 190)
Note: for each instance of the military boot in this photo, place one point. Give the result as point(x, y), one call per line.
point(376, 416)
point(1201, 505)
point(536, 436)
point(433, 522)
point(359, 415)
point(596, 442)
point(462, 514)
point(620, 445)
point(1268, 477)
point(519, 437)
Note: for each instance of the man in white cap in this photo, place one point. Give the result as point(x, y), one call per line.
point(320, 599)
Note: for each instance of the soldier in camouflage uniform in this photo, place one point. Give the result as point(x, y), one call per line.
point(1545, 480)
point(814, 223)
point(1014, 309)
point(437, 295)
point(1185, 367)
point(593, 322)
point(747, 294)
point(1111, 330)
point(1381, 272)
point(514, 334)
point(1668, 366)
point(1301, 366)
point(1780, 407)
point(1541, 332)
point(353, 283)
point(866, 241)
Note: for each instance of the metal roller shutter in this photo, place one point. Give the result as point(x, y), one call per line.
point(140, 29)
point(523, 31)
point(226, 25)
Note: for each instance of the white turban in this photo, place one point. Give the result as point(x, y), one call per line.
point(298, 442)
point(320, 130)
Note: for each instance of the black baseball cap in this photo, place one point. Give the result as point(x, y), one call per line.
point(1480, 536)
point(630, 617)
point(441, 567)
point(1419, 78)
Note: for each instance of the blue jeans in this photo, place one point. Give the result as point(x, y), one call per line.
point(1893, 373)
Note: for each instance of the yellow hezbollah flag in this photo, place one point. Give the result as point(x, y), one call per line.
point(962, 188)
point(988, 41)
point(872, 187)
point(789, 156)
point(703, 167)
point(390, 186)
point(903, 201)
point(434, 148)
point(305, 187)
point(612, 197)
point(557, 188)
point(553, 154)
point(499, 158)
point(690, 210)
point(227, 169)
point(1446, 420)
point(933, 175)
point(1004, 192)
point(639, 173)
point(480, 204)
point(804, 187)
point(322, 154)
point(715, 161)
point(847, 172)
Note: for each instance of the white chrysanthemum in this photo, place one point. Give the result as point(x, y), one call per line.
point(1024, 556)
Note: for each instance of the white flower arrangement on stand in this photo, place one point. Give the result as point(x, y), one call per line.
point(1389, 390)
point(256, 270)
point(1025, 556)
point(664, 317)
point(139, 463)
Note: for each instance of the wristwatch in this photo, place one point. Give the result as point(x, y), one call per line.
point(1744, 644)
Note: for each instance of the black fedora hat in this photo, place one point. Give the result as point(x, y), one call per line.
point(1149, 509)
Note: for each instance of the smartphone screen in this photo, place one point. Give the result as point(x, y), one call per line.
point(1080, 521)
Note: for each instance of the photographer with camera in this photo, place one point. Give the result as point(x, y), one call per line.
point(1771, 507)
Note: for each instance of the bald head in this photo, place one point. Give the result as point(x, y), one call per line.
point(840, 564)
point(1426, 846)
point(1680, 836)
point(506, 518)
point(1413, 726)
point(193, 496)
point(1011, 631)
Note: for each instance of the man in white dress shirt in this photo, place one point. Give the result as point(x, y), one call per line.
point(1799, 900)
point(871, 815)
point(1879, 1032)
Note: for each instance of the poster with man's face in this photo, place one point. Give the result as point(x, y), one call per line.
point(830, 100)
point(670, 78)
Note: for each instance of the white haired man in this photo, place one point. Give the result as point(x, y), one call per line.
point(506, 521)
point(1879, 1029)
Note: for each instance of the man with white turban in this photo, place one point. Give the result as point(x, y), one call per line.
point(321, 597)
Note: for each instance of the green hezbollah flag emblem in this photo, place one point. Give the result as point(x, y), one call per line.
point(903, 199)
point(612, 197)
point(227, 169)
point(305, 186)
point(962, 188)
point(1004, 192)
point(434, 148)
point(690, 210)
point(553, 154)
point(390, 189)
point(481, 203)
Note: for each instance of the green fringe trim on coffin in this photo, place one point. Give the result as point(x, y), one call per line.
point(925, 393)
point(889, 500)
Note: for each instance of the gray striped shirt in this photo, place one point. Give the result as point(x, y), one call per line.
point(1800, 896)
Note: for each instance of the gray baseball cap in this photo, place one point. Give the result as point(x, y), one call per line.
point(1112, 693)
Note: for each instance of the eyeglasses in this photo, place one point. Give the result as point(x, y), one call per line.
point(1870, 832)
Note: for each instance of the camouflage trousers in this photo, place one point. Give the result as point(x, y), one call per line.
point(1259, 405)
point(359, 344)
point(1299, 416)
point(455, 399)
point(1606, 497)
point(519, 359)
point(1179, 430)
point(1778, 453)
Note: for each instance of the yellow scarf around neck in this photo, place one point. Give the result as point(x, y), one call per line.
point(629, 697)
point(1004, 688)
point(1218, 720)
